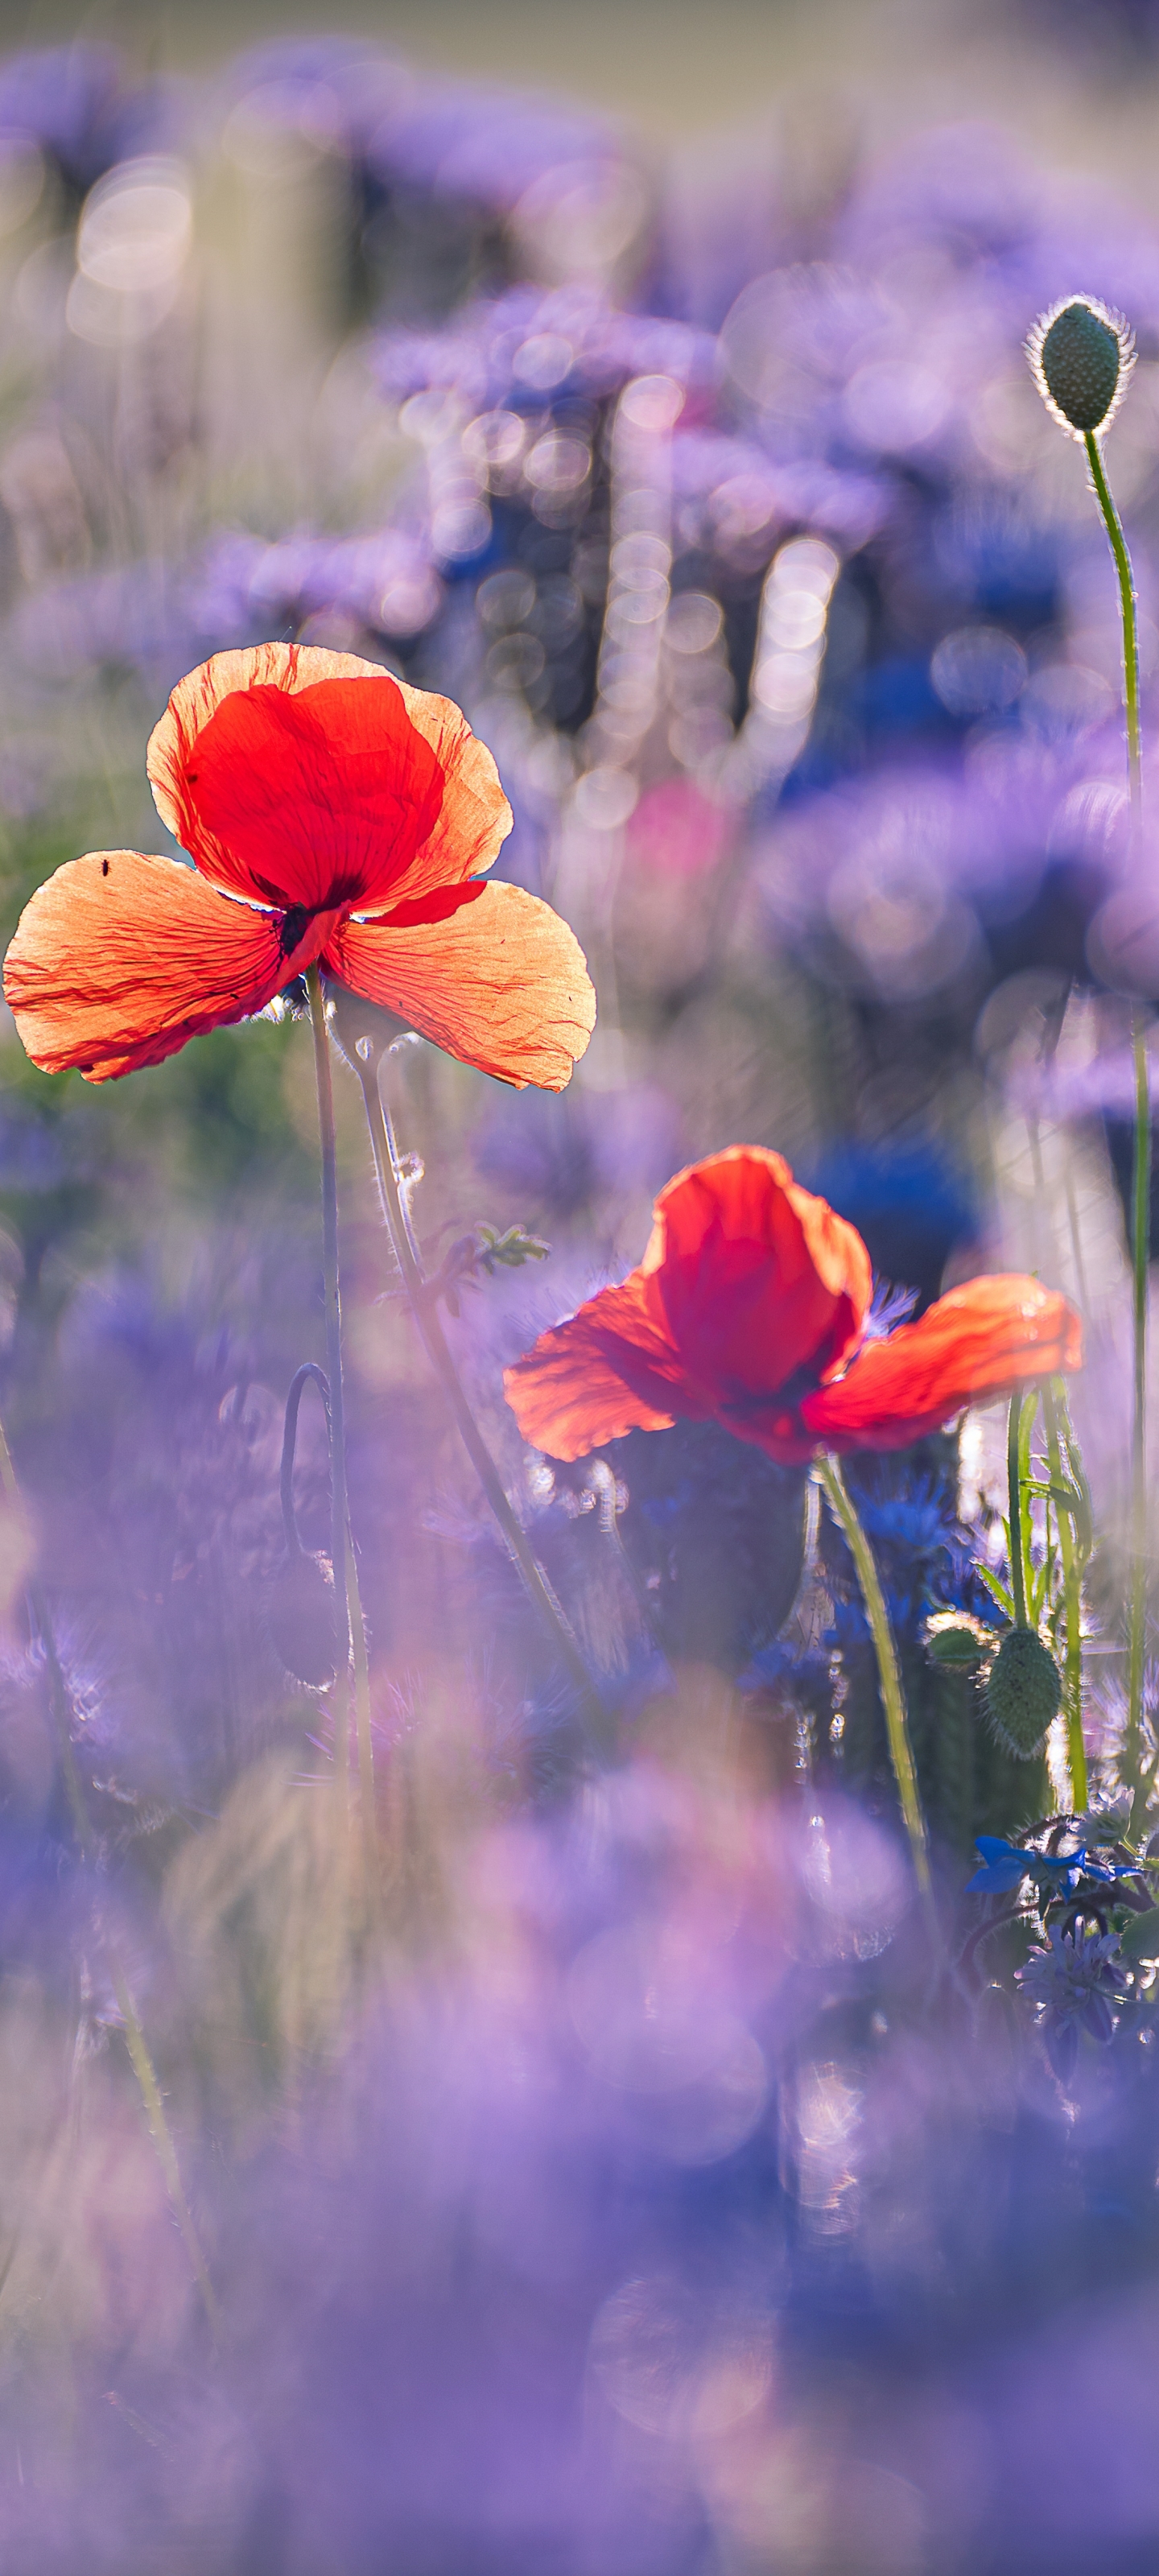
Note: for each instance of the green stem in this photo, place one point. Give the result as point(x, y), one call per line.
point(1130, 618)
point(1014, 1481)
point(1141, 1188)
point(310, 1370)
point(338, 1508)
point(1140, 1268)
point(841, 1505)
point(425, 1311)
point(1072, 1604)
point(363, 1731)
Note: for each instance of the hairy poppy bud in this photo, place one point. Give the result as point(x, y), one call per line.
point(1081, 355)
point(300, 1619)
point(1023, 1693)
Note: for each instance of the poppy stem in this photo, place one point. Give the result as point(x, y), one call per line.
point(342, 1553)
point(302, 1378)
point(1130, 617)
point(1140, 1269)
point(1076, 1751)
point(424, 1309)
point(308, 1374)
point(842, 1506)
point(1141, 1177)
point(135, 2040)
point(1014, 1480)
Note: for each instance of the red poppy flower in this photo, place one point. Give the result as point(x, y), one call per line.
point(331, 813)
point(749, 1308)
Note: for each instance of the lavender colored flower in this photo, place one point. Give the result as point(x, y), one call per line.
point(1077, 1982)
point(482, 144)
point(77, 103)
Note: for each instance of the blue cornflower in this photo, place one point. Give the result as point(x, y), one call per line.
point(1005, 1865)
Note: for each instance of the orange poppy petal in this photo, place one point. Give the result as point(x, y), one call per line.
point(758, 1278)
point(974, 1345)
point(320, 797)
point(459, 839)
point(119, 959)
point(475, 818)
point(607, 1370)
point(488, 972)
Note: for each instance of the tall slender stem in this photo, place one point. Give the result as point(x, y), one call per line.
point(363, 1733)
point(841, 1504)
point(1141, 1176)
point(1130, 618)
point(310, 1370)
point(1014, 1481)
point(425, 1311)
point(1073, 1611)
point(1140, 1269)
point(333, 1361)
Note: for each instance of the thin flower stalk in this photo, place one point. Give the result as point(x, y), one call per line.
point(1020, 1531)
point(396, 1216)
point(1081, 356)
point(1072, 1611)
point(1140, 1267)
point(842, 1506)
point(1141, 1171)
point(1129, 611)
point(362, 1729)
point(335, 1410)
point(1015, 1479)
point(308, 1372)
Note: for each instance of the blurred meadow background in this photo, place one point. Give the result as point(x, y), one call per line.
point(651, 381)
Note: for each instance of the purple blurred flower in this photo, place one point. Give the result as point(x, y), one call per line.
point(1077, 1981)
point(78, 103)
point(885, 883)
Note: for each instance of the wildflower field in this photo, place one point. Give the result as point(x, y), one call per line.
point(579, 1468)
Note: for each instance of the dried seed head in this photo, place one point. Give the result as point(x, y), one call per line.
point(1081, 355)
point(1023, 1693)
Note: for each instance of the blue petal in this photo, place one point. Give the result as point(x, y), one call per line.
point(997, 1876)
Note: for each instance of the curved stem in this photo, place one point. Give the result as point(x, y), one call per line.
point(424, 1309)
point(1130, 618)
point(841, 1504)
point(302, 1378)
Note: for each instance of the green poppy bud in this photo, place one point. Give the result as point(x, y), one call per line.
point(1023, 1693)
point(1081, 355)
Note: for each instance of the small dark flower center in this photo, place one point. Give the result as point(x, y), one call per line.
point(293, 929)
